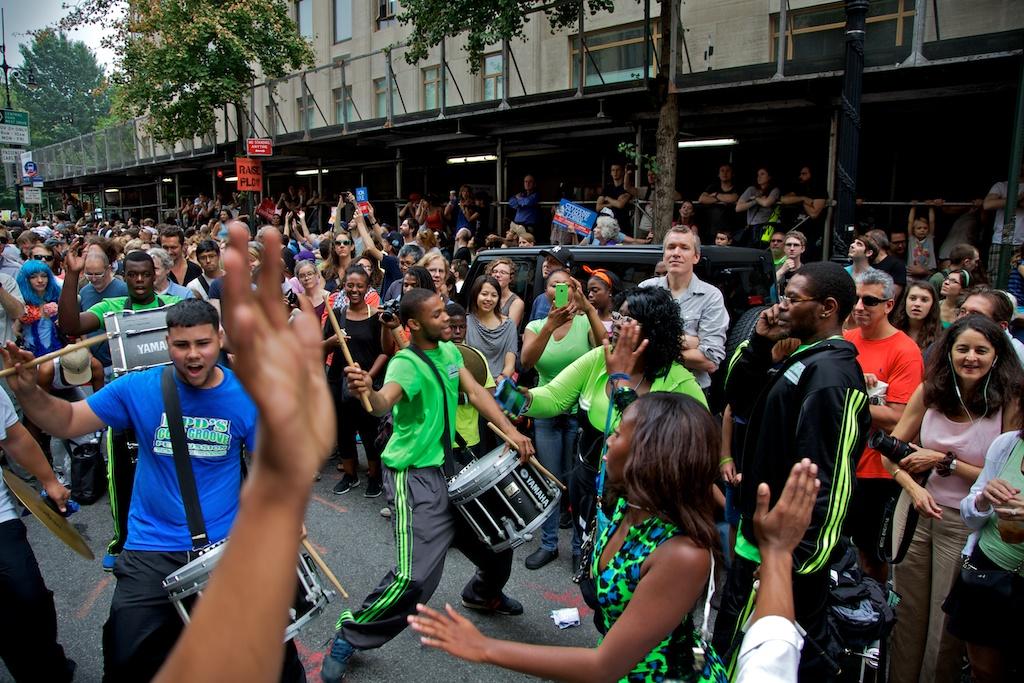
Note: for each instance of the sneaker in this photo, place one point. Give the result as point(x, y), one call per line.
point(347, 483)
point(336, 662)
point(499, 605)
point(374, 488)
point(385, 512)
point(108, 562)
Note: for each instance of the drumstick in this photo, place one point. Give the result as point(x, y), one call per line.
point(364, 399)
point(315, 556)
point(84, 344)
point(536, 463)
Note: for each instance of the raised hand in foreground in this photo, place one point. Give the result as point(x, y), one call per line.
point(253, 586)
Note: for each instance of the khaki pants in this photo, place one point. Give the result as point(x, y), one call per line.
point(921, 648)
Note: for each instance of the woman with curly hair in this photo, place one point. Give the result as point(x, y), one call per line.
point(646, 337)
point(650, 564)
point(917, 313)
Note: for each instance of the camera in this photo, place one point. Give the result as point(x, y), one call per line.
point(389, 310)
point(890, 446)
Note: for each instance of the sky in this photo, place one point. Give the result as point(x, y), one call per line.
point(22, 16)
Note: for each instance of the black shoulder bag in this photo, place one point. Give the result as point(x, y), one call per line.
point(182, 461)
point(449, 466)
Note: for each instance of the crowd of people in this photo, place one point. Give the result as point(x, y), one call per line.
point(679, 456)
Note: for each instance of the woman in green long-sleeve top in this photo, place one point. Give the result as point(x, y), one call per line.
point(644, 358)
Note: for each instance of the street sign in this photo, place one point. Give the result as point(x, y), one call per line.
point(10, 156)
point(259, 147)
point(14, 127)
point(32, 195)
point(249, 173)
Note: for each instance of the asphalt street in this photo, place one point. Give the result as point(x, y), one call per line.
point(356, 542)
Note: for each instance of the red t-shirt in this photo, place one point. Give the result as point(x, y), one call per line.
point(895, 360)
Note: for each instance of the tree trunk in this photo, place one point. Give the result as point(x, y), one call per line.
point(668, 133)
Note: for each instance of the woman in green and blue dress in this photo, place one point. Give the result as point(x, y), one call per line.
point(651, 562)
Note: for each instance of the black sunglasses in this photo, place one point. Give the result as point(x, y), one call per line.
point(872, 301)
point(40, 257)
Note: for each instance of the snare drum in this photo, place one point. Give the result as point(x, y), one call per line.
point(138, 339)
point(503, 501)
point(191, 580)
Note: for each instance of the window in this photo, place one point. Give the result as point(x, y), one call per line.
point(305, 113)
point(380, 97)
point(819, 32)
point(615, 55)
point(386, 13)
point(304, 18)
point(349, 112)
point(342, 20)
point(432, 87)
point(494, 80)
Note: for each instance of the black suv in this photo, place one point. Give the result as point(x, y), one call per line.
point(745, 276)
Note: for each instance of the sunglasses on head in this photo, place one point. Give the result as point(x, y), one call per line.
point(871, 301)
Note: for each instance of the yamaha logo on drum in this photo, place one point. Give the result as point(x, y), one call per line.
point(539, 491)
point(151, 347)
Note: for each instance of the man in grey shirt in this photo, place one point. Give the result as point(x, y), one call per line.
point(701, 305)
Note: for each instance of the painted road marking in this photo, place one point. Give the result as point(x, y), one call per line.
point(94, 595)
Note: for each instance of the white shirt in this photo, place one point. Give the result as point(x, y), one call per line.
point(999, 189)
point(770, 652)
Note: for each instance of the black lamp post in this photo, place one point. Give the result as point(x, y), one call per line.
point(28, 76)
point(849, 128)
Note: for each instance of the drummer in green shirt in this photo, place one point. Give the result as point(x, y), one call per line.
point(139, 274)
point(424, 523)
point(641, 357)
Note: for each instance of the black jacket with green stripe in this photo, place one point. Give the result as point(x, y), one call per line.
point(812, 405)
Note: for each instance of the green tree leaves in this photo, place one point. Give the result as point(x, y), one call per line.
point(72, 94)
point(483, 21)
point(178, 60)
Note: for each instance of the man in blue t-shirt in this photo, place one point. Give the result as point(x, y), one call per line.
point(219, 419)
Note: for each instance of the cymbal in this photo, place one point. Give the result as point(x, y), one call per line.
point(471, 359)
point(50, 518)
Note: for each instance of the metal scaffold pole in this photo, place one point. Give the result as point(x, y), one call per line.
point(849, 127)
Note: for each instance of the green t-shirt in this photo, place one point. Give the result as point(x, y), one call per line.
point(1006, 555)
point(586, 380)
point(467, 418)
point(116, 305)
point(419, 422)
point(560, 353)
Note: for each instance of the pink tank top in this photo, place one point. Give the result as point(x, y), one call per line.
point(968, 442)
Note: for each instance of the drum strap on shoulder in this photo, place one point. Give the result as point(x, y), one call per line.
point(449, 467)
point(182, 461)
point(128, 303)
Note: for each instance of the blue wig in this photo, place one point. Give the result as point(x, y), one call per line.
point(29, 269)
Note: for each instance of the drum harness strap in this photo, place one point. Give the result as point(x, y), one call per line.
point(182, 462)
point(449, 466)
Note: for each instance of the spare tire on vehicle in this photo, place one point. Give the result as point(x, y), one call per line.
point(742, 330)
